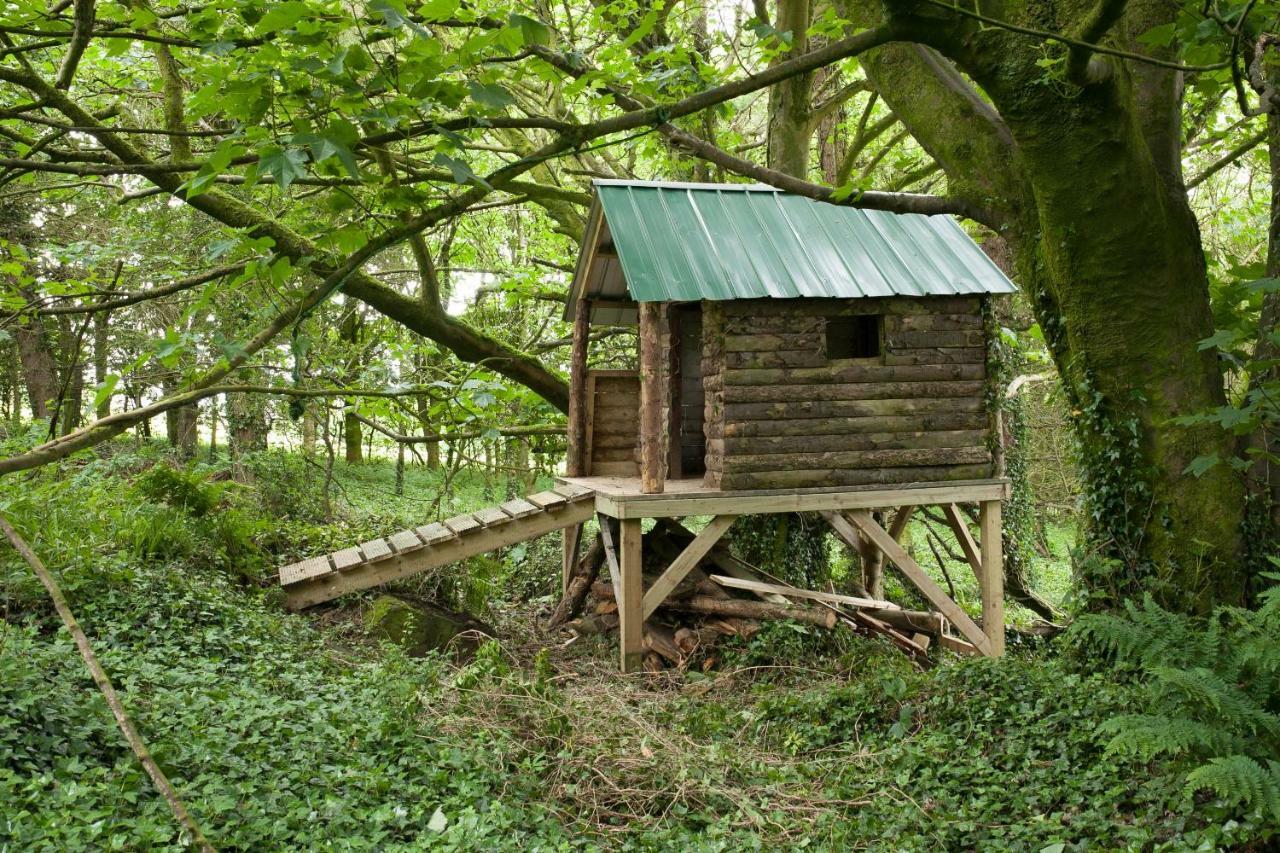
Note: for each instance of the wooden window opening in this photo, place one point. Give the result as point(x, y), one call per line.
point(860, 336)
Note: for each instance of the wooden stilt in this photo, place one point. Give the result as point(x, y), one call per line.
point(992, 576)
point(630, 596)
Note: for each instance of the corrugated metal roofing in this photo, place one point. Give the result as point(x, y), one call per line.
point(685, 242)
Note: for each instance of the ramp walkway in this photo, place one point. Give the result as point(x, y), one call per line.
point(409, 552)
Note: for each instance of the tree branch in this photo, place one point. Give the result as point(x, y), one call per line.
point(81, 33)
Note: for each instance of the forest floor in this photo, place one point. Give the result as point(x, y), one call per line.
point(298, 732)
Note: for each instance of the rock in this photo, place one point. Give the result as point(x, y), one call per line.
point(419, 627)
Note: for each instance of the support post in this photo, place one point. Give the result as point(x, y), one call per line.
point(631, 596)
point(989, 523)
point(653, 424)
point(576, 463)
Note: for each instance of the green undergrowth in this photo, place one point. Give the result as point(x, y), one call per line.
point(291, 732)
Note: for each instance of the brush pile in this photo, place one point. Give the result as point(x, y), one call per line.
point(722, 596)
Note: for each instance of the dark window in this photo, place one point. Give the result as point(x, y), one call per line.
point(854, 337)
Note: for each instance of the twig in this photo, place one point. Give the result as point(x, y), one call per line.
point(108, 690)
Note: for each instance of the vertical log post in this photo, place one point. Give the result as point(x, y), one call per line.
point(992, 576)
point(576, 465)
point(631, 596)
point(653, 426)
point(572, 541)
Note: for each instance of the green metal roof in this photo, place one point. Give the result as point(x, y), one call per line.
point(686, 242)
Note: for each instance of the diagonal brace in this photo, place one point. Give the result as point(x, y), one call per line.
point(684, 563)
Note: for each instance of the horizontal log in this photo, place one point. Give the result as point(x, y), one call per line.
point(736, 413)
point(763, 342)
point(606, 440)
point(614, 454)
point(756, 324)
point(924, 421)
point(932, 322)
point(932, 338)
point(856, 372)
point(739, 446)
point(615, 469)
point(811, 357)
point(934, 355)
point(793, 479)
point(849, 391)
point(856, 459)
point(848, 307)
point(751, 610)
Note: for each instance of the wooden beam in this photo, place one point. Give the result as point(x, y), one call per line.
point(572, 540)
point(608, 529)
point(992, 576)
point(862, 519)
point(653, 426)
point(961, 530)
point(751, 501)
point(576, 463)
point(813, 595)
point(684, 563)
point(630, 597)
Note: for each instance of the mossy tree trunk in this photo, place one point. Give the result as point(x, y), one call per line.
point(1082, 179)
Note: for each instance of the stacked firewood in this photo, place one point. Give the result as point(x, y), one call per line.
point(712, 602)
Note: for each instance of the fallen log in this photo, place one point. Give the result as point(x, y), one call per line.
point(579, 585)
point(751, 610)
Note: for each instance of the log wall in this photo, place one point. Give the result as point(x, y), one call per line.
point(780, 414)
point(613, 408)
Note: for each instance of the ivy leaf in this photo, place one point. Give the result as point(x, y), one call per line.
point(285, 165)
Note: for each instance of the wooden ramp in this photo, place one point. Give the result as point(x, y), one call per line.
point(408, 552)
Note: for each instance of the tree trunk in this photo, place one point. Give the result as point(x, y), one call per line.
point(789, 129)
point(101, 355)
point(38, 369)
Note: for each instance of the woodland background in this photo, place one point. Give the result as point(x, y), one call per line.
point(277, 277)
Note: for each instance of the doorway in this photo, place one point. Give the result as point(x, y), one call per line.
point(689, 444)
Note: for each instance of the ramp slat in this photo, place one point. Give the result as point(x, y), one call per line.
point(405, 540)
point(572, 491)
point(519, 508)
point(432, 533)
point(375, 549)
point(547, 500)
point(305, 570)
point(461, 524)
point(347, 558)
point(491, 516)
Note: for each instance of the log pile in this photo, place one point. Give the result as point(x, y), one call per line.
point(722, 597)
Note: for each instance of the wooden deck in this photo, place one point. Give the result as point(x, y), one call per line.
point(620, 497)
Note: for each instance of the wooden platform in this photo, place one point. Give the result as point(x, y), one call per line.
point(620, 497)
point(409, 552)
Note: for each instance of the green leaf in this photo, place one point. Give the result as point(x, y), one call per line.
point(281, 16)
point(1201, 464)
point(104, 389)
point(285, 165)
point(533, 30)
point(490, 95)
point(438, 10)
point(461, 172)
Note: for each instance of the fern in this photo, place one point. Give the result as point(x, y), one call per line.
point(1213, 690)
point(1240, 780)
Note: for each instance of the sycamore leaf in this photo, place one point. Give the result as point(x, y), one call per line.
point(281, 16)
point(461, 172)
point(439, 10)
point(285, 165)
point(490, 95)
point(104, 389)
point(533, 30)
point(1201, 464)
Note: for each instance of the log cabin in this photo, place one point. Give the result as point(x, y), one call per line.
point(791, 356)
